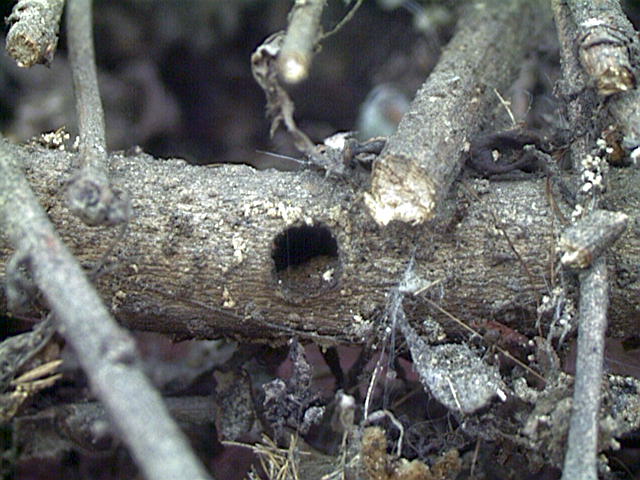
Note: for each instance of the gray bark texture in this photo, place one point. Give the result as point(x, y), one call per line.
point(106, 352)
point(33, 36)
point(581, 457)
point(604, 44)
point(425, 154)
point(206, 251)
point(89, 194)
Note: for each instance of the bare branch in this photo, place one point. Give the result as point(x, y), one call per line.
point(106, 351)
point(93, 143)
point(423, 157)
point(33, 36)
point(302, 35)
point(591, 236)
point(582, 448)
point(218, 255)
point(605, 36)
point(90, 194)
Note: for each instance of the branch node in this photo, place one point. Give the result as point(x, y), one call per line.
point(20, 287)
point(589, 237)
point(97, 203)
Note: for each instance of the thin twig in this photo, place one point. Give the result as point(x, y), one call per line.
point(302, 35)
point(581, 456)
point(582, 449)
point(93, 143)
point(90, 194)
point(280, 107)
point(347, 18)
point(33, 36)
point(106, 352)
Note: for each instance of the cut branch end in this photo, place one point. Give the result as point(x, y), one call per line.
point(400, 191)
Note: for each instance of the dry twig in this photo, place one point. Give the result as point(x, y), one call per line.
point(90, 194)
point(581, 456)
point(33, 36)
point(105, 351)
point(580, 460)
point(421, 160)
point(604, 40)
point(302, 34)
point(280, 107)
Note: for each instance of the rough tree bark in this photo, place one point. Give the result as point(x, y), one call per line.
point(263, 256)
point(106, 351)
point(206, 252)
point(423, 157)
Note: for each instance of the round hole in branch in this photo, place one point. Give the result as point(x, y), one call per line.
point(306, 260)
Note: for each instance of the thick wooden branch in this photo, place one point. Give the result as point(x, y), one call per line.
point(423, 157)
point(211, 251)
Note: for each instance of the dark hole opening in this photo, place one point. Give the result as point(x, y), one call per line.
point(297, 245)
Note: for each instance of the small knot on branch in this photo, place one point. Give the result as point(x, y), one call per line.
point(96, 202)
